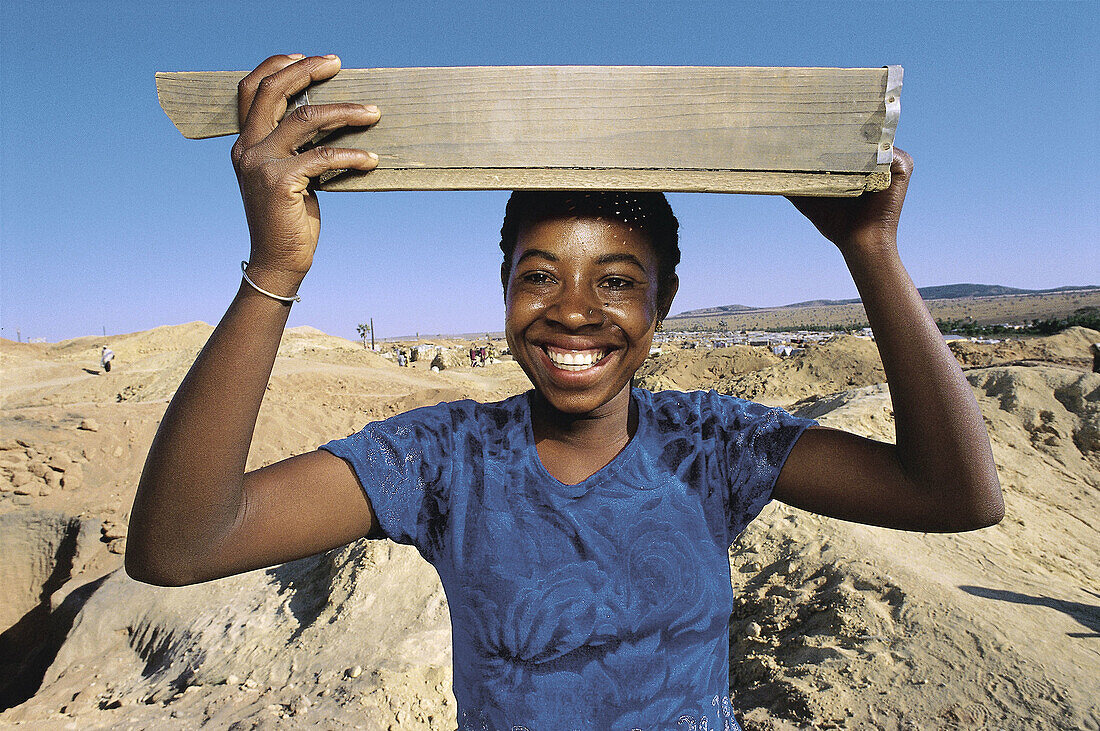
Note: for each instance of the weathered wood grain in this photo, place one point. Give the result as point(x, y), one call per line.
point(721, 129)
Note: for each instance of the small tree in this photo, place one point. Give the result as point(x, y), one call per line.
point(364, 330)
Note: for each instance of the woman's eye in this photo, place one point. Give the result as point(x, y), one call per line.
point(618, 283)
point(536, 277)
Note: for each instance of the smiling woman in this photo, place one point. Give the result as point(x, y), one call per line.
point(582, 298)
point(580, 529)
point(587, 277)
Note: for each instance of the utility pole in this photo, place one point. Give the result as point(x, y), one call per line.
point(372, 333)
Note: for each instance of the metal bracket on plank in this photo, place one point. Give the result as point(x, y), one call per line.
point(299, 100)
point(892, 99)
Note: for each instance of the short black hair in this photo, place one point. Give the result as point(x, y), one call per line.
point(648, 212)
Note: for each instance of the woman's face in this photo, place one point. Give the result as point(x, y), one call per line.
point(581, 308)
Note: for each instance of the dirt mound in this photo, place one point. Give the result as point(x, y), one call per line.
point(298, 339)
point(227, 651)
point(1070, 347)
point(825, 634)
point(835, 365)
point(1059, 409)
point(148, 366)
point(187, 337)
point(11, 347)
point(307, 330)
point(685, 370)
point(287, 610)
point(979, 630)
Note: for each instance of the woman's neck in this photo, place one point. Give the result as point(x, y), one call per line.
point(573, 447)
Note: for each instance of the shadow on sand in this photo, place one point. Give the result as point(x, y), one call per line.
point(1087, 614)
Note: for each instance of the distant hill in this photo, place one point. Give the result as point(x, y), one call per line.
point(707, 311)
point(938, 292)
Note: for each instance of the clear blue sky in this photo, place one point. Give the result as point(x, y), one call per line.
point(111, 220)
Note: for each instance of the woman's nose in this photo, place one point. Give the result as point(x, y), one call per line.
point(577, 306)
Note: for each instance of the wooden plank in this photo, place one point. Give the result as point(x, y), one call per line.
point(689, 181)
point(720, 129)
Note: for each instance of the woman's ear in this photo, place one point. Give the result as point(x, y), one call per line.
point(666, 301)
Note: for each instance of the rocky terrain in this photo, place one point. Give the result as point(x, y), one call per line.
point(834, 625)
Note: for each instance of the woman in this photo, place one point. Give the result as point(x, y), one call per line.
point(580, 530)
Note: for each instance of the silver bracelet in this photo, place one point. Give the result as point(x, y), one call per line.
point(261, 290)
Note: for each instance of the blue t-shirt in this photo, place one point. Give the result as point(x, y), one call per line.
point(601, 605)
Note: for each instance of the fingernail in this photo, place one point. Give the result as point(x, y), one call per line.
point(296, 55)
point(371, 109)
point(330, 55)
point(372, 156)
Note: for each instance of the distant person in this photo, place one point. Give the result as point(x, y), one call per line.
point(402, 359)
point(473, 356)
point(482, 355)
point(105, 358)
point(581, 529)
point(437, 363)
point(414, 354)
point(1095, 357)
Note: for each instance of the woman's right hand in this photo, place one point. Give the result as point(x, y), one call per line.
point(283, 216)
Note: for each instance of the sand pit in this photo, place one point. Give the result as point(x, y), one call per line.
point(834, 625)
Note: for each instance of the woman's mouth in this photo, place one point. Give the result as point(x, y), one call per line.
point(573, 360)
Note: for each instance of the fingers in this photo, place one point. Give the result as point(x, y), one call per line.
point(901, 170)
point(304, 123)
point(322, 159)
point(293, 174)
point(267, 94)
point(268, 143)
point(247, 87)
point(902, 164)
point(902, 161)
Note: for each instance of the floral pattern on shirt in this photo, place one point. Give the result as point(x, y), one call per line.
point(601, 605)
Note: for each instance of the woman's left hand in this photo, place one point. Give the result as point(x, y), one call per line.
point(867, 221)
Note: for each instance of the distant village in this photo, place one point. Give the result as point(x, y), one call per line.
point(449, 351)
point(780, 343)
point(784, 343)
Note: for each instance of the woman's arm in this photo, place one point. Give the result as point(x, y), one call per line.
point(940, 475)
point(197, 515)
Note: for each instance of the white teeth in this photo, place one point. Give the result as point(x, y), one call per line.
point(574, 360)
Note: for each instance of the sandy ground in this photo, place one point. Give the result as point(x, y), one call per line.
point(834, 625)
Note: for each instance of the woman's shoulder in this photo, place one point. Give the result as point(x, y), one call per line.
point(729, 419)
